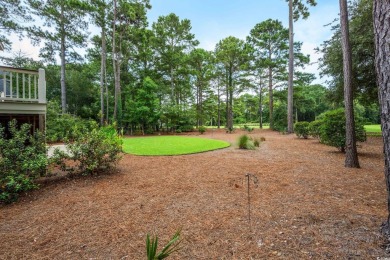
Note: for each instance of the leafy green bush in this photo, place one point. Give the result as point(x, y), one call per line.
point(301, 129)
point(60, 127)
point(280, 118)
point(92, 152)
point(202, 129)
point(149, 131)
point(137, 132)
point(22, 159)
point(333, 129)
point(186, 128)
point(315, 128)
point(244, 142)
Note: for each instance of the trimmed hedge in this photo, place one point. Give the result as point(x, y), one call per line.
point(301, 129)
point(332, 130)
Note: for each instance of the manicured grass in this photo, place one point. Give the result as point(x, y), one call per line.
point(170, 145)
point(373, 128)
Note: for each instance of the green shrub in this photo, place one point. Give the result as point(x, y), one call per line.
point(315, 128)
point(178, 131)
point(149, 131)
point(91, 152)
point(202, 129)
point(67, 126)
point(333, 129)
point(22, 159)
point(244, 142)
point(137, 132)
point(108, 131)
point(280, 118)
point(247, 128)
point(186, 128)
point(301, 129)
point(61, 127)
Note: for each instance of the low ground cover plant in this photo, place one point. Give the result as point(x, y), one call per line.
point(22, 160)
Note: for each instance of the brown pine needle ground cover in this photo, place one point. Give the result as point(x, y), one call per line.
point(306, 205)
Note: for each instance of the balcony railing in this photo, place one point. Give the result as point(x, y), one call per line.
point(21, 85)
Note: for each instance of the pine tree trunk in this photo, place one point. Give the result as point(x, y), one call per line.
point(290, 107)
point(63, 86)
point(197, 105)
point(351, 157)
point(102, 74)
point(219, 107)
point(261, 105)
point(173, 88)
point(230, 110)
point(271, 99)
point(62, 55)
point(201, 105)
point(381, 14)
point(227, 102)
point(118, 91)
point(107, 93)
point(114, 57)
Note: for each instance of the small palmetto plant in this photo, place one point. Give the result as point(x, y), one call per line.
point(171, 247)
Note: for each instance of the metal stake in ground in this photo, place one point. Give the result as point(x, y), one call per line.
point(255, 181)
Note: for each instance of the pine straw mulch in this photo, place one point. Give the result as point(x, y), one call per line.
point(306, 205)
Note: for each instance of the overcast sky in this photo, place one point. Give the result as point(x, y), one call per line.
point(213, 20)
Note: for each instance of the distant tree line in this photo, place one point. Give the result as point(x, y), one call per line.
point(153, 78)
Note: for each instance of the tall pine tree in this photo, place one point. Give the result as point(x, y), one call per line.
point(63, 30)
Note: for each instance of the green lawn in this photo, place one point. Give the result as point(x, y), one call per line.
point(373, 128)
point(170, 145)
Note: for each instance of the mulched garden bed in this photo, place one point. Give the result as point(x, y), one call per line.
point(306, 204)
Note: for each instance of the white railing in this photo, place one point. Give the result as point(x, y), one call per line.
point(21, 85)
